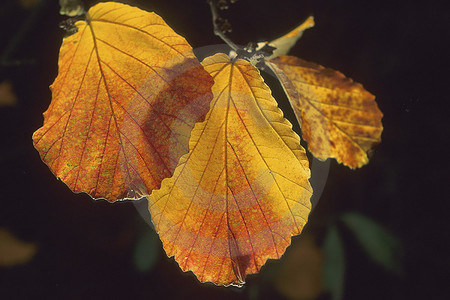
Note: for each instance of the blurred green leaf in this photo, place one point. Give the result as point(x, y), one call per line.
point(334, 267)
point(146, 251)
point(381, 246)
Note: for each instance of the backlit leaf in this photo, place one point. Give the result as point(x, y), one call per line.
point(338, 117)
point(242, 191)
point(128, 92)
point(284, 43)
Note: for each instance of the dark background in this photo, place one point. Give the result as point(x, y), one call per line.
point(397, 49)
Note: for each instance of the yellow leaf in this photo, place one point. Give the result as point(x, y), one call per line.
point(338, 117)
point(284, 43)
point(242, 191)
point(128, 93)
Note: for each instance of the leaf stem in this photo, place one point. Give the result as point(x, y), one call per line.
point(217, 30)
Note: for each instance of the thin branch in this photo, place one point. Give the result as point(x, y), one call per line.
point(217, 30)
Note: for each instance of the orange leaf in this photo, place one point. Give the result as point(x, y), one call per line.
point(242, 191)
point(128, 92)
point(338, 117)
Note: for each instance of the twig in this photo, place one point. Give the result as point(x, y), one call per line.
point(250, 52)
point(217, 30)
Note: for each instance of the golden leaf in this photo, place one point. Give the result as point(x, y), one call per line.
point(242, 191)
point(284, 43)
point(338, 117)
point(128, 93)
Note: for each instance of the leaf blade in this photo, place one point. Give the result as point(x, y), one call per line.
point(338, 117)
point(285, 42)
point(128, 92)
point(232, 202)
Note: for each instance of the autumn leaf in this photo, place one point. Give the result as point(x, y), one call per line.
point(227, 196)
point(128, 93)
point(242, 191)
point(338, 117)
point(284, 43)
